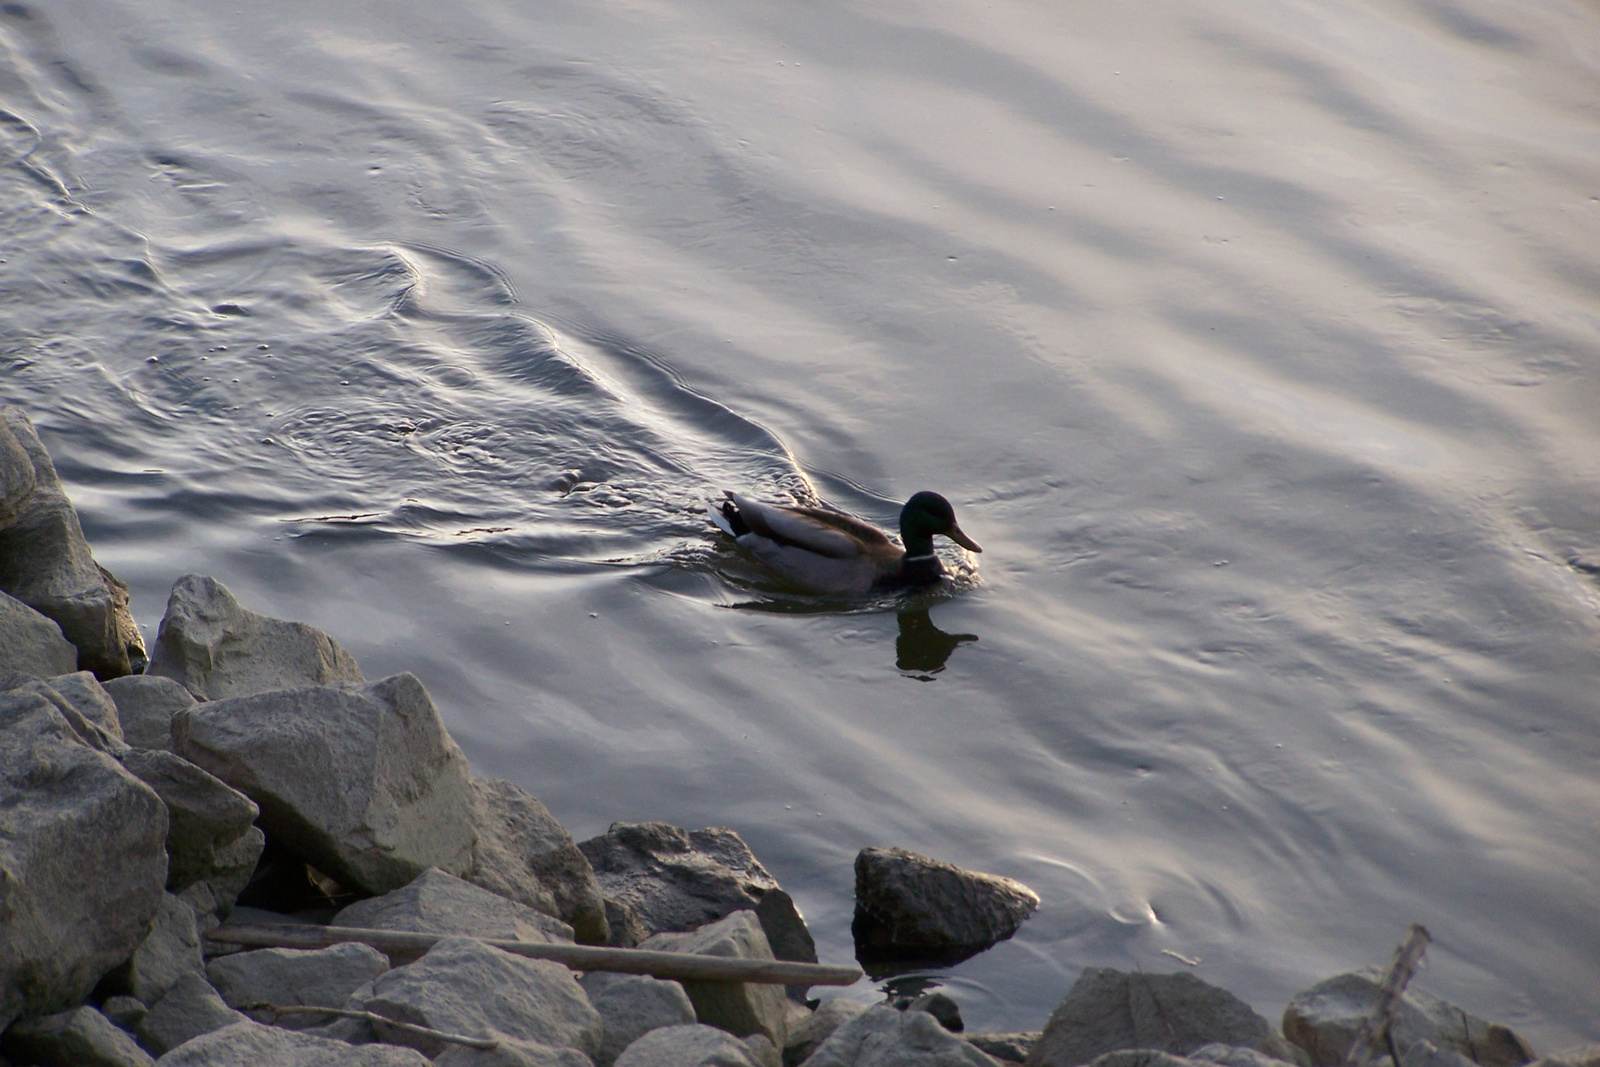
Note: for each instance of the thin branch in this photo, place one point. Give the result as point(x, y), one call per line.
point(1375, 1027)
point(375, 1018)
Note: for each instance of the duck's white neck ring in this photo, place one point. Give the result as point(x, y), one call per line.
point(917, 559)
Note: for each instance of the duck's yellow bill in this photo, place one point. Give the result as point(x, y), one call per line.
point(963, 540)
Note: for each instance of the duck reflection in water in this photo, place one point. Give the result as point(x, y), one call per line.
point(922, 648)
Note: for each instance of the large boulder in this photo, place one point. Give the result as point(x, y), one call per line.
point(630, 1006)
point(81, 1037)
point(884, 1037)
point(31, 642)
point(86, 715)
point(171, 950)
point(190, 1008)
point(440, 903)
point(219, 649)
point(1107, 1010)
point(524, 854)
point(17, 476)
point(912, 907)
point(689, 1045)
point(207, 815)
point(249, 1044)
point(741, 1008)
point(671, 880)
point(363, 781)
point(82, 860)
point(466, 987)
point(1323, 1021)
point(292, 977)
point(46, 563)
point(145, 707)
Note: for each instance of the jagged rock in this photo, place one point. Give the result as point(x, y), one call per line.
point(524, 854)
point(81, 847)
point(741, 1008)
point(804, 1039)
point(288, 977)
point(674, 880)
point(1234, 1056)
point(190, 1008)
point(30, 642)
point(145, 707)
point(81, 1037)
point(213, 895)
point(46, 563)
point(218, 649)
point(1323, 1021)
point(884, 1037)
point(626, 929)
point(1006, 1047)
point(206, 814)
point(512, 1054)
point(17, 477)
point(171, 950)
point(83, 691)
point(1107, 1010)
point(76, 706)
point(363, 781)
point(690, 1045)
point(908, 904)
point(630, 1006)
point(124, 1010)
point(249, 1044)
point(466, 987)
point(439, 903)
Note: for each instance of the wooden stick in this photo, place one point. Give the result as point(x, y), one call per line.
point(374, 1017)
point(683, 966)
point(1375, 1027)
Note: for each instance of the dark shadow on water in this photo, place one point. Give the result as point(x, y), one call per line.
point(922, 648)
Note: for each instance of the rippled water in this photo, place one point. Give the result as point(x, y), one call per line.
point(1256, 342)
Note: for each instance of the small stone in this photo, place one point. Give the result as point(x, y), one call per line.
point(1234, 1056)
point(512, 1054)
point(293, 977)
point(812, 1032)
point(124, 1010)
point(941, 1007)
point(884, 1037)
point(439, 903)
point(190, 1008)
point(1010, 1047)
point(741, 1008)
point(690, 1045)
point(249, 1044)
point(81, 1037)
point(31, 642)
point(146, 704)
point(630, 1006)
point(207, 815)
point(171, 950)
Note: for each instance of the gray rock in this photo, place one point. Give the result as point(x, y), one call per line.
point(31, 642)
point(524, 854)
point(741, 1008)
point(1323, 1021)
point(207, 815)
point(466, 987)
point(46, 563)
point(1006, 1047)
point(1426, 1054)
point(439, 903)
point(83, 691)
point(289, 977)
point(690, 1045)
point(1576, 1056)
point(17, 477)
point(190, 1008)
point(80, 711)
point(924, 903)
point(673, 880)
point(124, 1010)
point(363, 781)
point(1234, 1056)
point(818, 1027)
point(942, 1007)
point(81, 1037)
point(145, 707)
point(1107, 1010)
point(170, 951)
point(884, 1037)
point(626, 931)
point(249, 1044)
point(630, 1006)
point(512, 1054)
point(81, 842)
point(1141, 1057)
point(218, 649)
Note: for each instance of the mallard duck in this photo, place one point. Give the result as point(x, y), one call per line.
point(830, 552)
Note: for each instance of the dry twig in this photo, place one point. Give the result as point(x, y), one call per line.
point(1375, 1027)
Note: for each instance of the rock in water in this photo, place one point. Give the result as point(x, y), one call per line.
point(218, 649)
point(32, 643)
point(671, 880)
point(439, 903)
point(741, 1008)
point(524, 854)
point(911, 909)
point(324, 978)
point(884, 1037)
point(1324, 1019)
point(46, 563)
point(466, 987)
point(249, 1044)
point(363, 781)
point(1108, 1010)
point(82, 850)
point(145, 707)
point(81, 1037)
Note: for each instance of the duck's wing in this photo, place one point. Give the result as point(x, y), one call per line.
point(827, 533)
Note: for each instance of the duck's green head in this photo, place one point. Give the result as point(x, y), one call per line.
point(926, 514)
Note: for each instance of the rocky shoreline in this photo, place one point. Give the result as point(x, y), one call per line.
point(244, 784)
